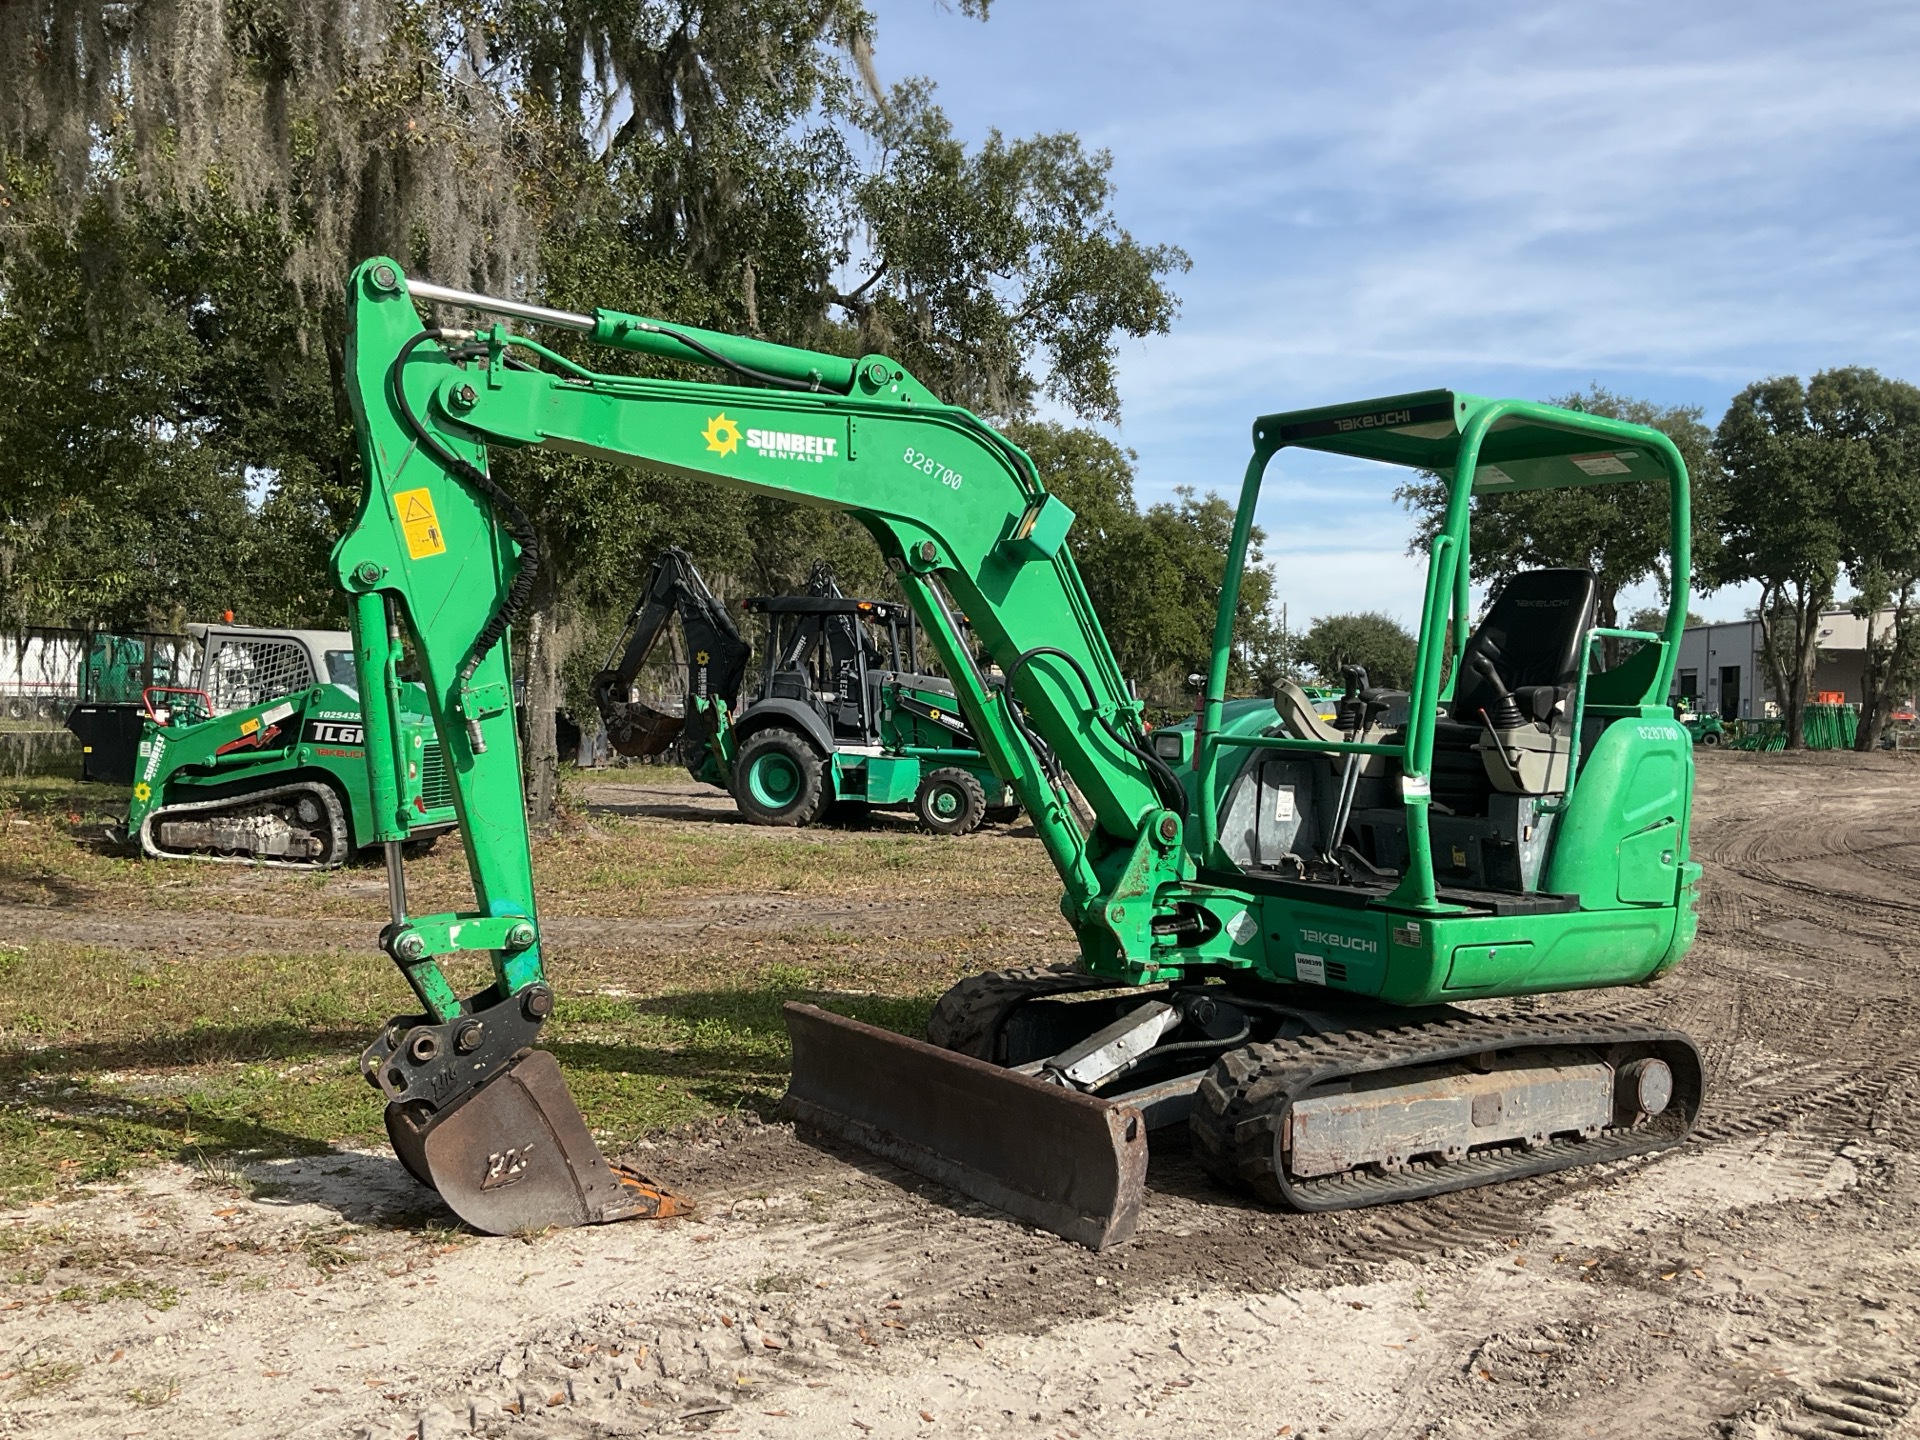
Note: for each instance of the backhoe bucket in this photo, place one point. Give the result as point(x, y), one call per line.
point(515, 1155)
point(638, 729)
point(1053, 1157)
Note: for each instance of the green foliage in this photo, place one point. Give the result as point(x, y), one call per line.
point(982, 262)
point(1620, 532)
point(1879, 512)
point(1791, 454)
point(184, 185)
point(1154, 576)
point(1653, 618)
point(157, 383)
point(1370, 639)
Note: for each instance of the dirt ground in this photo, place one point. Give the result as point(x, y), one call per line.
point(1760, 1282)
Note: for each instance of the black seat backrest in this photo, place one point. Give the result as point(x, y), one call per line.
point(1533, 634)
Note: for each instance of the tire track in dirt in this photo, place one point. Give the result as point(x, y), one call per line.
point(1802, 998)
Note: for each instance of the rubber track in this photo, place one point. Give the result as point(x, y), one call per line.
point(200, 809)
point(971, 1015)
point(1247, 1095)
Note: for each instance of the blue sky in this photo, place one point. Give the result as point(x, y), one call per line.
point(1673, 200)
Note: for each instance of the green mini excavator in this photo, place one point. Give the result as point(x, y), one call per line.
point(1278, 915)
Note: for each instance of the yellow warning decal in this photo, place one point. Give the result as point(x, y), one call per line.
point(247, 727)
point(422, 526)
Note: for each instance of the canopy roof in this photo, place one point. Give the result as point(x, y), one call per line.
point(1530, 447)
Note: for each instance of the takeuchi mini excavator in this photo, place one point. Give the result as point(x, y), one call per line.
point(1276, 913)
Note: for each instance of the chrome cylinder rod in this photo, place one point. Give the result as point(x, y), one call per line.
point(517, 309)
point(396, 883)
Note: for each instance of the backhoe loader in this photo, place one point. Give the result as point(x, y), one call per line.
point(1276, 913)
point(716, 659)
point(843, 722)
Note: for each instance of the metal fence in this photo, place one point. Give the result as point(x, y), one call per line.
point(45, 672)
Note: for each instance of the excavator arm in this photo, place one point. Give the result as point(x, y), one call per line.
point(440, 561)
point(716, 662)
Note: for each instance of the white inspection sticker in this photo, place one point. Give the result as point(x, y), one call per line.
point(1491, 475)
point(1310, 969)
point(276, 714)
point(1283, 803)
point(1243, 927)
point(1412, 786)
point(1606, 463)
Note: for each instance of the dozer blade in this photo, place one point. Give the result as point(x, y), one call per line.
point(515, 1155)
point(1067, 1162)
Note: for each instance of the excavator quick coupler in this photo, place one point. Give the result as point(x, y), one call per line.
point(480, 1116)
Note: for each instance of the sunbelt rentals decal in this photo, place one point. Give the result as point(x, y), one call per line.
point(725, 437)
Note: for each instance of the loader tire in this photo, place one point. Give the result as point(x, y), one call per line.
point(779, 778)
point(1710, 738)
point(971, 1017)
point(950, 801)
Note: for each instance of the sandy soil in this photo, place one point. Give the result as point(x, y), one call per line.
point(1761, 1282)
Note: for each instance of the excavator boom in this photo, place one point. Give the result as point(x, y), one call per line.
point(440, 562)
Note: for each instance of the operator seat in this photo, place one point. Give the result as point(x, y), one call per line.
point(1533, 636)
point(1532, 642)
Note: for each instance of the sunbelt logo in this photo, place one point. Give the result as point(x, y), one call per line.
point(724, 437)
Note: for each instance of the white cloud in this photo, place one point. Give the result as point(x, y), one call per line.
point(1387, 195)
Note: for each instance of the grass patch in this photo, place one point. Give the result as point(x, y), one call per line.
point(108, 1061)
point(150, 1396)
point(327, 1252)
point(48, 1375)
point(174, 1048)
point(590, 863)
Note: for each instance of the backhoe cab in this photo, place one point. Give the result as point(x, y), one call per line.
point(1274, 911)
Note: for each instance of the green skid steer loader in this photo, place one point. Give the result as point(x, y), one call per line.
point(1277, 914)
point(262, 759)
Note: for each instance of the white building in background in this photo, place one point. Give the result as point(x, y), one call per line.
point(1722, 668)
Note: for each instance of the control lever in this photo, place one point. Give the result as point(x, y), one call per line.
point(1506, 710)
point(1353, 720)
point(1353, 707)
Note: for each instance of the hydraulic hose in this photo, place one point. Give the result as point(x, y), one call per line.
point(1173, 794)
point(515, 520)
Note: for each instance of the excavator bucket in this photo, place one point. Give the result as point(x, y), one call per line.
point(1056, 1158)
point(515, 1155)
